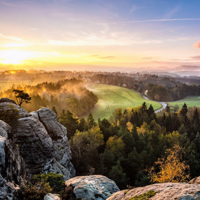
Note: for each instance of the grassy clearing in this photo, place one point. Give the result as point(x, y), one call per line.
point(191, 101)
point(113, 97)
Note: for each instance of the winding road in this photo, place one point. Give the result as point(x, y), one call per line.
point(164, 104)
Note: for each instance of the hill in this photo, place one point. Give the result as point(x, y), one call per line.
point(113, 97)
point(191, 101)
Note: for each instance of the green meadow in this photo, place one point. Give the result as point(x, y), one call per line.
point(113, 97)
point(191, 101)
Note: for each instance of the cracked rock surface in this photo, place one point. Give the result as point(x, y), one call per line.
point(96, 187)
point(41, 139)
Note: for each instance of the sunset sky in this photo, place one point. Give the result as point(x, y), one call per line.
point(99, 34)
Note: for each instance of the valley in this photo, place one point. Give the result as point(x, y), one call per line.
point(113, 97)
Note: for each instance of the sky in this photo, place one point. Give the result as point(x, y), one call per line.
point(99, 34)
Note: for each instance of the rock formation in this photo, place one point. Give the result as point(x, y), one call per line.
point(58, 133)
point(167, 191)
point(96, 187)
point(12, 166)
point(42, 140)
point(51, 197)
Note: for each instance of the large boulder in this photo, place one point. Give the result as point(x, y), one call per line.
point(50, 196)
point(96, 187)
point(167, 191)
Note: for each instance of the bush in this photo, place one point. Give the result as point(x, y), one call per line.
point(36, 191)
point(55, 181)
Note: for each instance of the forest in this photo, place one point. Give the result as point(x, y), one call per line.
point(159, 88)
point(136, 144)
point(68, 94)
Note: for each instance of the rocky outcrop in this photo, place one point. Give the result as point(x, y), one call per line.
point(5, 129)
point(167, 191)
point(3, 100)
point(12, 167)
point(51, 197)
point(96, 187)
point(10, 112)
point(35, 144)
point(42, 140)
point(58, 133)
point(195, 180)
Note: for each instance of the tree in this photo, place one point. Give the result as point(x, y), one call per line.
point(22, 97)
point(84, 146)
point(90, 121)
point(167, 109)
point(70, 122)
point(117, 174)
point(171, 167)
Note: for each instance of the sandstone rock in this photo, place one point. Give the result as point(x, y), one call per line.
point(12, 169)
point(36, 146)
point(195, 180)
point(167, 191)
point(42, 140)
point(8, 191)
point(5, 129)
point(3, 100)
point(96, 187)
point(10, 112)
point(58, 133)
point(51, 197)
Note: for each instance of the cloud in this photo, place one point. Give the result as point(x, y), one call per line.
point(134, 8)
point(17, 45)
point(197, 44)
point(160, 20)
point(172, 12)
point(146, 58)
point(195, 57)
point(11, 38)
point(102, 57)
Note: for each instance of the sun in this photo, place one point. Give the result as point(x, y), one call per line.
point(14, 57)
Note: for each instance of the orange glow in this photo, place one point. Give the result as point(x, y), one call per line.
point(13, 72)
point(14, 57)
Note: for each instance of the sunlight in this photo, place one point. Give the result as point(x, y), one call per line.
point(14, 57)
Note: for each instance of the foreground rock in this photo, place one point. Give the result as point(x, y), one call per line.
point(42, 140)
point(51, 197)
point(12, 166)
point(94, 187)
point(167, 191)
point(195, 180)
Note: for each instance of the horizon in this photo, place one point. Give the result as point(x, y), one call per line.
point(99, 35)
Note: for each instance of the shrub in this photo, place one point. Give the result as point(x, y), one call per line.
point(55, 181)
point(36, 191)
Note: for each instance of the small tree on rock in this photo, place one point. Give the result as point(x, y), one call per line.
point(22, 97)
